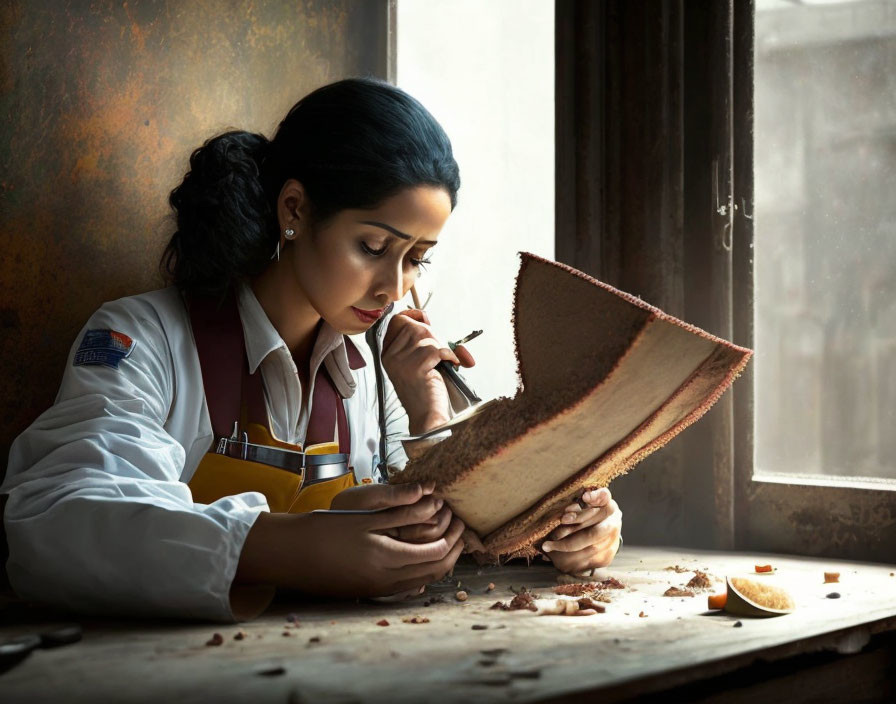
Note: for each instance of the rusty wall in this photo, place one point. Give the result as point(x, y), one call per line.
point(101, 105)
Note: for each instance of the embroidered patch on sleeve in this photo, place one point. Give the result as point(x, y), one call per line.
point(103, 347)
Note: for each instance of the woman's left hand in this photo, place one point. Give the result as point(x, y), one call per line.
point(586, 537)
point(410, 355)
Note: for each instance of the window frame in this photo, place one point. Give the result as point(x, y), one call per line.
point(776, 512)
point(654, 190)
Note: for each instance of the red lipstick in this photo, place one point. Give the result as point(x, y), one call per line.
point(368, 316)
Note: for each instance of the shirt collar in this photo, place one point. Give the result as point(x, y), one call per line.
point(260, 334)
point(334, 350)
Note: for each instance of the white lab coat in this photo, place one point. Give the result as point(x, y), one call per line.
point(99, 516)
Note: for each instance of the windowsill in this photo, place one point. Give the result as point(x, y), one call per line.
point(839, 482)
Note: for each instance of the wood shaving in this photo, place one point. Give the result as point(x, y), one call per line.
point(570, 607)
point(479, 627)
point(677, 568)
point(592, 590)
point(461, 596)
point(314, 639)
point(642, 615)
point(700, 580)
point(831, 577)
point(415, 619)
point(678, 591)
point(563, 607)
point(382, 622)
point(240, 635)
point(587, 603)
point(216, 639)
point(611, 583)
point(579, 589)
point(522, 601)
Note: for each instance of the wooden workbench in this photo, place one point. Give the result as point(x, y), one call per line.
point(469, 652)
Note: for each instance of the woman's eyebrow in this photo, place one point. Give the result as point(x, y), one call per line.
point(395, 232)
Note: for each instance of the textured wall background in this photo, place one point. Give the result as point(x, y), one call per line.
point(101, 105)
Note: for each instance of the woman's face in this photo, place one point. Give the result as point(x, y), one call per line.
point(358, 262)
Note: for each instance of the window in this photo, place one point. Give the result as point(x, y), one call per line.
point(825, 238)
point(655, 174)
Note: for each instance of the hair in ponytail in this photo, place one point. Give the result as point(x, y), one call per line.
point(351, 144)
point(225, 227)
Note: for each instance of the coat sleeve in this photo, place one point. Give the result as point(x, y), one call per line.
point(396, 427)
point(97, 519)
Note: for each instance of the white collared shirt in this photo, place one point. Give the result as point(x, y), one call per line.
point(283, 392)
point(99, 516)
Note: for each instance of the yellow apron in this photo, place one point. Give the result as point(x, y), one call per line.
point(219, 475)
point(219, 340)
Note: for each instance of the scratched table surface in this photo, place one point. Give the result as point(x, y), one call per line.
point(466, 651)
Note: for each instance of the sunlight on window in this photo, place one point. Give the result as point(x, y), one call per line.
point(825, 237)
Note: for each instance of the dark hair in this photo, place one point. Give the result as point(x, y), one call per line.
point(351, 144)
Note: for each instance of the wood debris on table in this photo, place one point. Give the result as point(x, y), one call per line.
point(415, 619)
point(700, 580)
point(580, 589)
point(831, 577)
point(271, 671)
point(678, 591)
point(570, 607)
point(523, 599)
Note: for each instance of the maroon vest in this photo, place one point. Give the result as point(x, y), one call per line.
point(235, 395)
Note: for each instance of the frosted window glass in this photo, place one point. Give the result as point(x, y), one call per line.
point(825, 238)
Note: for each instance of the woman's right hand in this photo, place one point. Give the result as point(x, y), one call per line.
point(350, 555)
point(379, 496)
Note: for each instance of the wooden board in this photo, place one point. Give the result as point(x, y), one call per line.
point(518, 655)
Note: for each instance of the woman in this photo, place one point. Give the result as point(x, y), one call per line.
point(160, 481)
